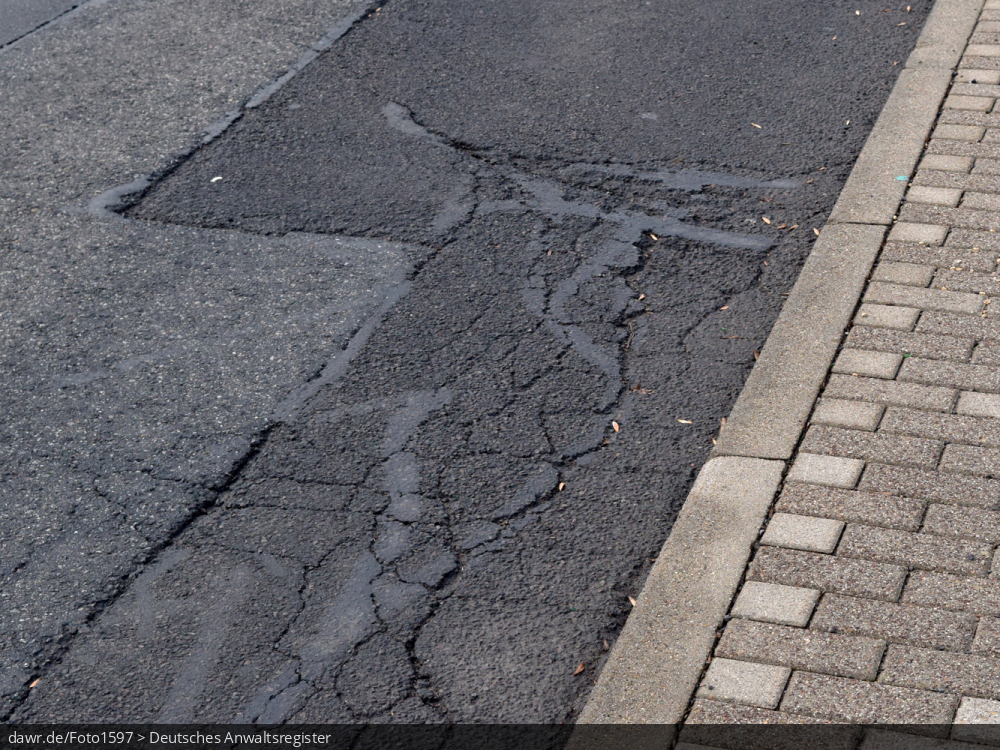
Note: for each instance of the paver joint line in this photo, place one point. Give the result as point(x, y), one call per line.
point(845, 583)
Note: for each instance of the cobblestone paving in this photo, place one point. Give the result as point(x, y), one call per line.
point(874, 592)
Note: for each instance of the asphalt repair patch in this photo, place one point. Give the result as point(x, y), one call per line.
point(612, 202)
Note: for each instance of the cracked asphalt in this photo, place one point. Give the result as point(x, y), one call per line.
point(495, 272)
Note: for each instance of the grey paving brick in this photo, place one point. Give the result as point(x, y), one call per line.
point(852, 506)
point(950, 256)
point(972, 238)
point(771, 602)
point(896, 272)
point(709, 712)
point(982, 63)
point(959, 325)
point(855, 415)
point(970, 459)
point(744, 682)
point(932, 485)
point(802, 532)
point(952, 428)
point(974, 675)
point(979, 596)
point(927, 345)
point(890, 392)
point(980, 76)
point(957, 133)
point(966, 281)
point(860, 702)
point(987, 640)
point(925, 299)
point(978, 89)
point(962, 148)
point(987, 353)
point(946, 163)
point(963, 523)
point(968, 117)
point(981, 201)
point(920, 551)
point(870, 364)
point(880, 447)
point(826, 653)
point(982, 50)
point(977, 103)
point(826, 470)
point(941, 196)
point(928, 234)
point(896, 623)
point(955, 374)
point(839, 575)
point(969, 218)
point(978, 404)
point(887, 316)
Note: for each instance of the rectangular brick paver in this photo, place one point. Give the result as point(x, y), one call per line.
point(871, 509)
point(826, 653)
point(928, 345)
point(896, 623)
point(922, 551)
point(975, 675)
point(931, 485)
point(979, 596)
point(861, 702)
point(880, 447)
point(839, 575)
point(953, 428)
point(890, 392)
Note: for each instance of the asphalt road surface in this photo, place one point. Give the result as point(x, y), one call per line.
point(555, 269)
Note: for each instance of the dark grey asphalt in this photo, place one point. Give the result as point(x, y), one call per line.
point(450, 522)
point(20, 17)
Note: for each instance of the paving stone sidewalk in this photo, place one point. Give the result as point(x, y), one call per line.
point(874, 593)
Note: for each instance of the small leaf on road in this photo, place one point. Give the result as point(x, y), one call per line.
point(756, 126)
point(215, 179)
point(816, 231)
point(35, 682)
point(606, 644)
point(653, 236)
point(756, 354)
point(632, 600)
point(684, 421)
point(642, 297)
point(615, 427)
point(580, 668)
point(561, 485)
point(724, 307)
point(765, 219)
